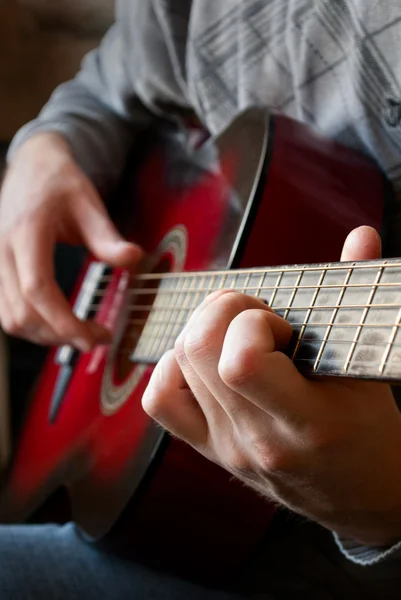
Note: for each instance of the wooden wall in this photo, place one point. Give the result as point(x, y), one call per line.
point(41, 45)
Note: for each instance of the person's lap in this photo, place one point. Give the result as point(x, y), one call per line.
point(56, 563)
point(53, 562)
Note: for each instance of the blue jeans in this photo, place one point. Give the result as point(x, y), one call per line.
point(49, 562)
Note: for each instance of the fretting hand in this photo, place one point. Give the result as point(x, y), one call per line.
point(45, 199)
point(329, 450)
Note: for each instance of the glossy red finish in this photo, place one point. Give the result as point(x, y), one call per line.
point(189, 516)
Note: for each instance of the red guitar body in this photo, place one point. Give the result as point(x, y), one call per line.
point(267, 192)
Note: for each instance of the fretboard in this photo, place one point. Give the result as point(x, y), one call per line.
point(346, 317)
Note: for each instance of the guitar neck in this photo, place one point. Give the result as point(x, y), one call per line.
point(346, 317)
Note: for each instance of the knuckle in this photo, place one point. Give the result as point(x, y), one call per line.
point(179, 350)
point(34, 287)
point(238, 366)
point(152, 403)
point(154, 398)
point(237, 463)
point(272, 460)
point(22, 318)
point(198, 341)
point(9, 325)
point(218, 294)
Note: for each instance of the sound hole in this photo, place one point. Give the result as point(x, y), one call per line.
point(137, 318)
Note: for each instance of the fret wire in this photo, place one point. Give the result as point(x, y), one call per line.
point(223, 282)
point(211, 285)
point(197, 301)
point(260, 286)
point(169, 315)
point(169, 331)
point(308, 314)
point(362, 321)
point(332, 319)
point(181, 317)
point(273, 297)
point(145, 341)
point(294, 292)
point(234, 282)
point(390, 344)
point(139, 347)
point(246, 284)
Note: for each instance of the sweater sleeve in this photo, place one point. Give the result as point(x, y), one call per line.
point(367, 556)
point(97, 112)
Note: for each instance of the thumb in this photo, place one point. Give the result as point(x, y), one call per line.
point(101, 237)
point(363, 243)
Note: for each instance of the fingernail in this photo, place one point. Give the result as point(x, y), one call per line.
point(100, 332)
point(82, 345)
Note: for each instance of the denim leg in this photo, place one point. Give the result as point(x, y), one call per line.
point(49, 562)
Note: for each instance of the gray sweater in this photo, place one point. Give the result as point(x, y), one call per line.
point(335, 64)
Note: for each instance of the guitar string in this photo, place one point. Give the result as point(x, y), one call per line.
point(334, 286)
point(294, 323)
point(259, 270)
point(326, 361)
point(187, 279)
point(150, 307)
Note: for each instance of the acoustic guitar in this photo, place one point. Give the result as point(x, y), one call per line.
point(221, 213)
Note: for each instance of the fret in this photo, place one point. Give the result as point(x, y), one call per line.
point(222, 282)
point(143, 342)
point(390, 344)
point(308, 314)
point(273, 297)
point(362, 321)
point(152, 351)
point(261, 284)
point(168, 339)
point(246, 289)
point(292, 298)
point(332, 319)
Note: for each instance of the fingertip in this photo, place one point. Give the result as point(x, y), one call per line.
point(99, 333)
point(363, 243)
point(123, 254)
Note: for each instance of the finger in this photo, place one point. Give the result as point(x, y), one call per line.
point(251, 365)
point(169, 401)
point(199, 351)
point(363, 243)
point(19, 318)
point(33, 253)
point(212, 298)
point(100, 235)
